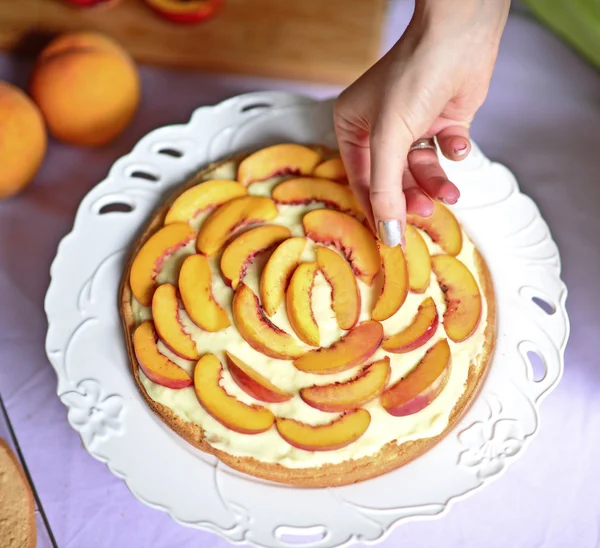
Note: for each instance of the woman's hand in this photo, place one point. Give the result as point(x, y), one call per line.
point(430, 83)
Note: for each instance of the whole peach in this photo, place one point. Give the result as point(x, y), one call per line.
point(22, 140)
point(87, 88)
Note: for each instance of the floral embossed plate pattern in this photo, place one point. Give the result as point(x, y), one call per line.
point(85, 345)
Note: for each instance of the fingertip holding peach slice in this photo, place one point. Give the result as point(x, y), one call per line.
point(298, 304)
point(258, 331)
point(332, 169)
point(326, 437)
point(156, 367)
point(195, 286)
point(165, 311)
point(145, 266)
point(463, 299)
point(282, 159)
point(421, 329)
point(240, 252)
point(357, 346)
point(418, 260)
point(352, 394)
point(346, 233)
point(231, 216)
point(305, 190)
point(277, 273)
point(395, 283)
point(422, 385)
point(201, 197)
point(228, 410)
point(253, 383)
point(442, 227)
point(345, 295)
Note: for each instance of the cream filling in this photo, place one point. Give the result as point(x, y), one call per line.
point(269, 446)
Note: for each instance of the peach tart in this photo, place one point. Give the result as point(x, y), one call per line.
point(267, 325)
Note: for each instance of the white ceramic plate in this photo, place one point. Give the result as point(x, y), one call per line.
point(86, 347)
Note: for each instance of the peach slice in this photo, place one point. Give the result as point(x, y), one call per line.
point(201, 197)
point(344, 290)
point(195, 286)
point(253, 383)
point(240, 252)
point(158, 368)
point(418, 260)
point(231, 216)
point(442, 227)
point(277, 273)
point(357, 346)
point(228, 410)
point(463, 300)
point(298, 303)
point(332, 169)
point(421, 329)
point(422, 385)
point(283, 159)
point(258, 331)
point(165, 311)
point(304, 190)
point(395, 283)
point(351, 394)
point(325, 437)
point(345, 232)
point(148, 261)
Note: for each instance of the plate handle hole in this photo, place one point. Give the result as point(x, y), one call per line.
point(170, 151)
point(544, 305)
point(300, 536)
point(538, 365)
point(256, 106)
point(144, 175)
point(115, 207)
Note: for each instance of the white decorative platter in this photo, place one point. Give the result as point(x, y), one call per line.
point(86, 347)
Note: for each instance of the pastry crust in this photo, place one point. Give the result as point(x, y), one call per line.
point(390, 456)
point(12, 493)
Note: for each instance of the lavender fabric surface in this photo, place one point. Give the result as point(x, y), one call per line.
point(541, 119)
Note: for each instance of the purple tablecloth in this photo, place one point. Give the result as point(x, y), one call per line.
point(542, 119)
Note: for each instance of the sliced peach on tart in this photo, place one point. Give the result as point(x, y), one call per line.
point(420, 330)
point(202, 197)
point(282, 159)
point(422, 385)
point(395, 283)
point(418, 260)
point(356, 347)
point(147, 263)
point(332, 169)
point(258, 331)
point(241, 251)
point(345, 295)
point(463, 299)
point(352, 394)
point(325, 437)
point(346, 233)
point(231, 216)
point(185, 11)
point(253, 383)
point(277, 273)
point(157, 367)
point(442, 227)
point(228, 410)
point(298, 304)
point(165, 312)
point(195, 286)
point(304, 190)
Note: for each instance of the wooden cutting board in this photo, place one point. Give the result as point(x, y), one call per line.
point(321, 40)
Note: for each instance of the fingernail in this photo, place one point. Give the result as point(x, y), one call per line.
point(390, 233)
point(460, 150)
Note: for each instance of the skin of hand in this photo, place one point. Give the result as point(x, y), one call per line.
point(431, 83)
